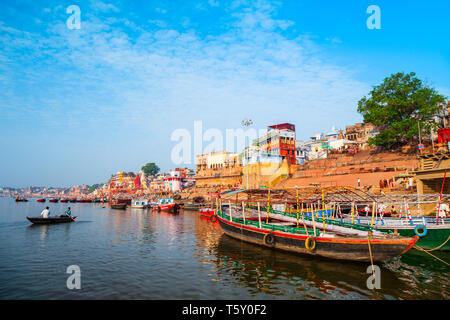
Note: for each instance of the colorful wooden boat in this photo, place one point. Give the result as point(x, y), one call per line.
point(209, 213)
point(64, 200)
point(51, 220)
point(286, 236)
point(140, 204)
point(53, 200)
point(167, 204)
point(19, 199)
point(40, 200)
point(434, 233)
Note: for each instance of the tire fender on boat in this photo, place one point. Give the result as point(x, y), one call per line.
point(310, 243)
point(269, 239)
point(213, 218)
point(420, 230)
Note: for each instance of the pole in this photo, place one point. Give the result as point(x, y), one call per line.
point(247, 162)
point(323, 219)
point(314, 222)
point(420, 139)
point(373, 212)
point(440, 197)
point(297, 207)
point(259, 215)
point(353, 211)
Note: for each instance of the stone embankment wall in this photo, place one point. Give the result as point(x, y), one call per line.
point(345, 169)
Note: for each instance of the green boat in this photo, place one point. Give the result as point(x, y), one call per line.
point(434, 237)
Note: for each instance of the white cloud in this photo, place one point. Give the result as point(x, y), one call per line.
point(160, 10)
point(99, 75)
point(103, 7)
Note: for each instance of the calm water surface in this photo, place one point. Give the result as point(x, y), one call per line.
point(139, 254)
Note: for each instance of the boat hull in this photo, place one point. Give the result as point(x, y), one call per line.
point(172, 207)
point(51, 220)
point(348, 248)
point(437, 237)
point(120, 206)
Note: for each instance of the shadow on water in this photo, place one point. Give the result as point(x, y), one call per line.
point(273, 271)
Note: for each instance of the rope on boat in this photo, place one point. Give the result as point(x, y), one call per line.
point(428, 251)
point(370, 252)
point(437, 248)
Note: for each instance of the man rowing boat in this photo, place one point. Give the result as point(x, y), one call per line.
point(68, 212)
point(45, 213)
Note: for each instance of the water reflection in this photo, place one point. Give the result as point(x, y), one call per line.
point(281, 273)
point(43, 232)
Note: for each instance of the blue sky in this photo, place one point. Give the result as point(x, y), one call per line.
point(78, 105)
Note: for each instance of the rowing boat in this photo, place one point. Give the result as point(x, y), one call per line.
point(51, 220)
point(120, 206)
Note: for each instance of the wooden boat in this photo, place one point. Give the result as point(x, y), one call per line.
point(53, 200)
point(115, 204)
point(140, 204)
point(51, 220)
point(338, 244)
point(64, 200)
point(40, 200)
point(209, 213)
point(73, 200)
point(434, 234)
point(167, 204)
point(21, 200)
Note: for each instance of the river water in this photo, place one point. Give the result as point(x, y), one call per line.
point(140, 254)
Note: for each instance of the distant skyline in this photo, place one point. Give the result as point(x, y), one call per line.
point(79, 105)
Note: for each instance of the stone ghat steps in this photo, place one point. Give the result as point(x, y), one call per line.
point(363, 159)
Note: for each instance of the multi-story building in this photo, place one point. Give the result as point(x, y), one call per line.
point(279, 141)
point(218, 168)
point(361, 133)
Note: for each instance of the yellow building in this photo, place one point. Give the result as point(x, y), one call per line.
point(220, 168)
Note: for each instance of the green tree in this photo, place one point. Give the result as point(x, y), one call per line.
point(95, 187)
point(398, 107)
point(150, 169)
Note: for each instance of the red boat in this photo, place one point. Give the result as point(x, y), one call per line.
point(167, 204)
point(209, 213)
point(53, 200)
point(40, 200)
point(166, 207)
point(87, 200)
point(64, 200)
